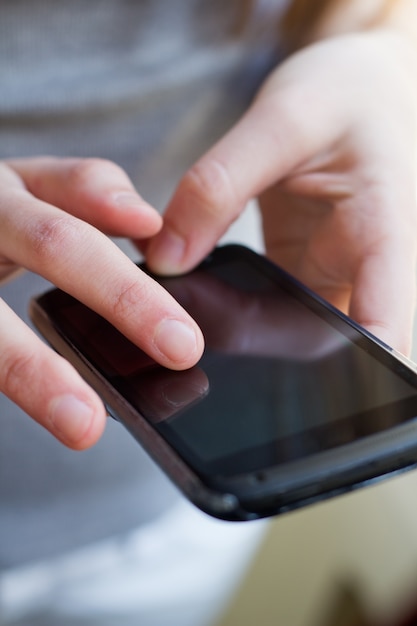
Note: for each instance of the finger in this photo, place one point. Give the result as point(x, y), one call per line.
point(383, 295)
point(95, 190)
point(85, 263)
point(266, 144)
point(45, 386)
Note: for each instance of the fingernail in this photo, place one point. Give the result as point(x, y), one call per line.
point(70, 417)
point(130, 200)
point(176, 341)
point(166, 252)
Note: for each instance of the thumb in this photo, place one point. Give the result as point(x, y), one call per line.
point(265, 145)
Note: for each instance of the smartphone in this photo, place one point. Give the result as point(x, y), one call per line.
point(291, 403)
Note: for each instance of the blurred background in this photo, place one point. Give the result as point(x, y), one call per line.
point(350, 561)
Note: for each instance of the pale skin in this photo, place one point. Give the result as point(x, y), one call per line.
point(329, 147)
point(66, 246)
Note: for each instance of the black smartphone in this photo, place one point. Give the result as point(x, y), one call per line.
point(291, 402)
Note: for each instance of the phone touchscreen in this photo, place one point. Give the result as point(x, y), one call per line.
point(282, 376)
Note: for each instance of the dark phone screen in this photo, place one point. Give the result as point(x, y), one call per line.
point(282, 376)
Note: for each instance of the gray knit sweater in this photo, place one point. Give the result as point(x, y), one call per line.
point(150, 84)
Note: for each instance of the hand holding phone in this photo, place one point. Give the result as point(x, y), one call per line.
point(290, 403)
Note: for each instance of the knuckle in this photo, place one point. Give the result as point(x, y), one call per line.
point(17, 372)
point(131, 297)
point(83, 171)
point(49, 236)
point(210, 184)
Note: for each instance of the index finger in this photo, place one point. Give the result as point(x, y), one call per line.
point(82, 261)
